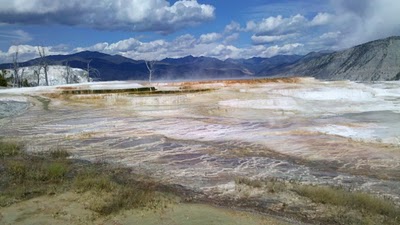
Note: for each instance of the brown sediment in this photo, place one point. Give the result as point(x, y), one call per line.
point(184, 87)
point(68, 88)
point(129, 91)
point(140, 90)
point(245, 81)
point(194, 84)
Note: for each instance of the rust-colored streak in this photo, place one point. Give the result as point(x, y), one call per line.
point(244, 81)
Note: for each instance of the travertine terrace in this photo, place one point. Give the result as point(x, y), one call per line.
point(203, 135)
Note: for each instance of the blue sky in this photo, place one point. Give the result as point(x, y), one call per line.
point(156, 29)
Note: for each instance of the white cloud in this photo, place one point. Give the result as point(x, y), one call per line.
point(284, 31)
point(124, 45)
point(322, 19)
point(210, 38)
point(211, 45)
point(330, 35)
point(341, 24)
point(133, 15)
point(232, 27)
point(277, 25)
point(264, 39)
point(268, 51)
point(231, 38)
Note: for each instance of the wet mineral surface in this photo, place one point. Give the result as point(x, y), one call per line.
point(338, 133)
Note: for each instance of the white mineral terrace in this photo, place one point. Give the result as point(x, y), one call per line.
point(339, 133)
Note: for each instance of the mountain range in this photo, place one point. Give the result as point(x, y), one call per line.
point(373, 61)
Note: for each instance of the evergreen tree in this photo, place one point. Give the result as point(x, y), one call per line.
point(25, 83)
point(3, 80)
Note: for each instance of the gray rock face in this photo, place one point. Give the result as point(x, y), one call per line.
point(373, 61)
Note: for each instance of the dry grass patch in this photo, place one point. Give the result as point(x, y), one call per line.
point(272, 185)
point(365, 203)
point(59, 153)
point(335, 205)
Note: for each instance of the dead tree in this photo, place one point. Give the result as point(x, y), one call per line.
point(21, 78)
point(43, 63)
point(15, 68)
point(91, 71)
point(68, 73)
point(36, 72)
point(151, 67)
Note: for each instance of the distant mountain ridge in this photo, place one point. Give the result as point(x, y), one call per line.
point(373, 61)
point(116, 67)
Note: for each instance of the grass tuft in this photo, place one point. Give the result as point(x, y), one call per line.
point(56, 171)
point(249, 182)
point(9, 148)
point(92, 182)
point(17, 169)
point(59, 153)
point(272, 185)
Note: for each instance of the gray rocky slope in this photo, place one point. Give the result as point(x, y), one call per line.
point(373, 61)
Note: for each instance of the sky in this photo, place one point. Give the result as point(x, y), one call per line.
point(157, 29)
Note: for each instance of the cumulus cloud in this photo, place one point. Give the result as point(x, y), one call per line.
point(132, 15)
point(330, 35)
point(277, 25)
point(232, 27)
point(181, 46)
point(264, 39)
point(345, 24)
point(283, 31)
point(322, 19)
point(280, 26)
point(189, 45)
point(210, 38)
point(231, 38)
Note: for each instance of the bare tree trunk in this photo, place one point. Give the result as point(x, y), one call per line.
point(16, 69)
point(88, 71)
point(37, 73)
point(93, 71)
point(43, 63)
point(21, 80)
point(68, 76)
point(45, 74)
point(150, 66)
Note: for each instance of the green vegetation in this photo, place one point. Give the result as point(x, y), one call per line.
point(25, 83)
point(110, 189)
point(59, 153)
point(9, 148)
point(3, 80)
